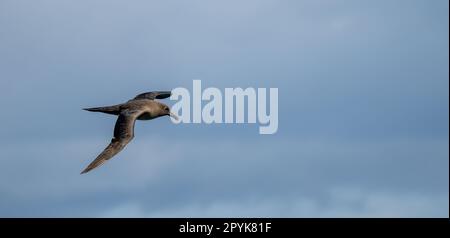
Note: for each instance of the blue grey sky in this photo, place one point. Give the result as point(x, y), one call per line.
point(363, 108)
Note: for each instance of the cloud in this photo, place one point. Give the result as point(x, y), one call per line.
point(367, 204)
point(174, 177)
point(363, 108)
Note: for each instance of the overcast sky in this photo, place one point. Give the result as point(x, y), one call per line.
point(363, 108)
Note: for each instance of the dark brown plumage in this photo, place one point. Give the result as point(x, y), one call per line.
point(142, 107)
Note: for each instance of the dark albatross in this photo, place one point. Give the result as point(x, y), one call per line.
point(142, 107)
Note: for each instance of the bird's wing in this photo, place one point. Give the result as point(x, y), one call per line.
point(123, 133)
point(154, 95)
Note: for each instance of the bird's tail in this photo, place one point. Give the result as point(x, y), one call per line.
point(114, 110)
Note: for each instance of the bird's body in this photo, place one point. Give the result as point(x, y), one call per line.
point(142, 107)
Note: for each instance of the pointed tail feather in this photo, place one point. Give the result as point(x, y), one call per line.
point(114, 110)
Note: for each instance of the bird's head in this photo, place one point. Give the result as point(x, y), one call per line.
point(166, 111)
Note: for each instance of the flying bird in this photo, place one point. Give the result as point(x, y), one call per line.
point(142, 107)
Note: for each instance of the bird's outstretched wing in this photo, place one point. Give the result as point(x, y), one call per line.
point(123, 133)
point(154, 95)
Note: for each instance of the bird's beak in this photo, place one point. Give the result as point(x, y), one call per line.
point(173, 116)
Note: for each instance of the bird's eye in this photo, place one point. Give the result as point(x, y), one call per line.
point(167, 108)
